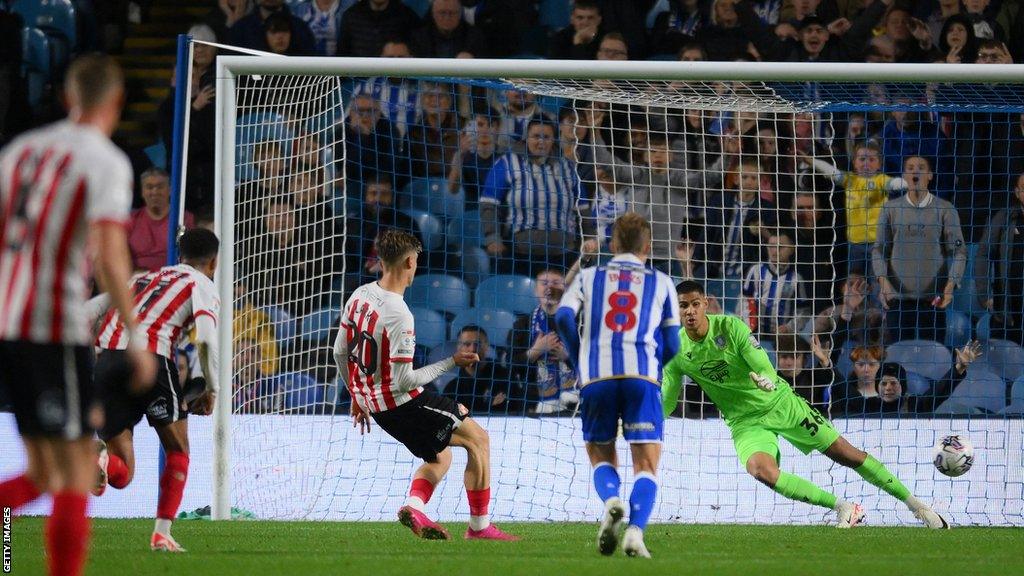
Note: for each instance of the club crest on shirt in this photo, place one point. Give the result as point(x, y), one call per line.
point(720, 342)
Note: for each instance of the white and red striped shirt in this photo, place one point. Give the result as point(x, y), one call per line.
point(378, 330)
point(54, 182)
point(168, 303)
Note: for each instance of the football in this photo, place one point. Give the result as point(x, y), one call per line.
point(953, 455)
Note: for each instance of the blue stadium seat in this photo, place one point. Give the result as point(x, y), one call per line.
point(1016, 405)
point(35, 66)
point(429, 227)
point(965, 298)
point(1006, 359)
point(432, 195)
point(465, 231)
point(917, 384)
point(925, 357)
point(508, 291)
point(983, 329)
point(769, 349)
point(555, 13)
point(56, 18)
point(157, 154)
point(476, 265)
point(980, 389)
point(303, 394)
point(441, 292)
point(496, 322)
point(431, 327)
point(958, 328)
point(317, 326)
point(284, 325)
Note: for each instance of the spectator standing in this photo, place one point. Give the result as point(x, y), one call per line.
point(250, 31)
point(397, 96)
point(581, 38)
point(147, 227)
point(918, 234)
point(776, 295)
point(676, 27)
point(225, 15)
point(485, 387)
point(366, 26)
point(999, 269)
point(476, 156)
point(372, 144)
point(324, 20)
point(433, 140)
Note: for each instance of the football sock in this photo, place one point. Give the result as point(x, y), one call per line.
point(172, 485)
point(606, 481)
point(117, 472)
point(67, 534)
point(17, 492)
point(641, 499)
point(796, 488)
point(479, 501)
point(877, 474)
point(162, 527)
point(419, 493)
point(914, 504)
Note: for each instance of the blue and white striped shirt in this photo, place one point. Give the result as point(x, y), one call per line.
point(778, 295)
point(543, 196)
point(397, 100)
point(625, 306)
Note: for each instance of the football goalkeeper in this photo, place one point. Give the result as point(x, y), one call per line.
point(726, 360)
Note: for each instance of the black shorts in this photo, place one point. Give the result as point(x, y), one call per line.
point(424, 424)
point(163, 404)
point(50, 388)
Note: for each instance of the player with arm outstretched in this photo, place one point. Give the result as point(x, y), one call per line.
point(374, 352)
point(169, 304)
point(721, 355)
point(629, 329)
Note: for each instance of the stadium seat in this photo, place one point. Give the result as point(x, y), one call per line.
point(317, 326)
point(35, 66)
point(157, 154)
point(843, 364)
point(769, 349)
point(1006, 359)
point(1016, 405)
point(440, 292)
point(980, 389)
point(429, 228)
point(917, 384)
point(924, 357)
point(496, 322)
point(951, 408)
point(983, 329)
point(476, 265)
point(284, 325)
point(555, 13)
point(511, 292)
point(432, 195)
point(431, 327)
point(303, 394)
point(56, 18)
point(465, 231)
point(958, 328)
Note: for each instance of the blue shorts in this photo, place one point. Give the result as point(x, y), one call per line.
point(637, 402)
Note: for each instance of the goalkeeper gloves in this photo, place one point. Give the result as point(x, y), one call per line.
point(762, 382)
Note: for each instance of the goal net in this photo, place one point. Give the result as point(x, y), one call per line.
point(854, 225)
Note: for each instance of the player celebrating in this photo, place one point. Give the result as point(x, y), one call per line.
point(630, 326)
point(721, 355)
point(374, 351)
point(63, 188)
point(169, 303)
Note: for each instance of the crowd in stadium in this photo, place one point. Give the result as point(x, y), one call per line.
point(866, 249)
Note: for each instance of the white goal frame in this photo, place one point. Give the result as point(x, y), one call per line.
point(229, 67)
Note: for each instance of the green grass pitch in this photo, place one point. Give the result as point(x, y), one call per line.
point(565, 549)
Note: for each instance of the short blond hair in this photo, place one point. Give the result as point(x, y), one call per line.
point(91, 79)
point(631, 233)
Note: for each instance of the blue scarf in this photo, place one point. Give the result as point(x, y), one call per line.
point(552, 375)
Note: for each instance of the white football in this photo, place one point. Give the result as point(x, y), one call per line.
point(953, 455)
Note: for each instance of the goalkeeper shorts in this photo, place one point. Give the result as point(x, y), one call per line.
point(794, 419)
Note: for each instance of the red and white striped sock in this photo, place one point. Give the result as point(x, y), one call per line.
point(419, 494)
point(17, 491)
point(479, 503)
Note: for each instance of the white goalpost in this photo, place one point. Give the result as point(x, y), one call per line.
point(671, 140)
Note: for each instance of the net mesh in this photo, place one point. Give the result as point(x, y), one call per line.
point(771, 194)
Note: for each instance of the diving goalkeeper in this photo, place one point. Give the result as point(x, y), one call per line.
point(726, 360)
